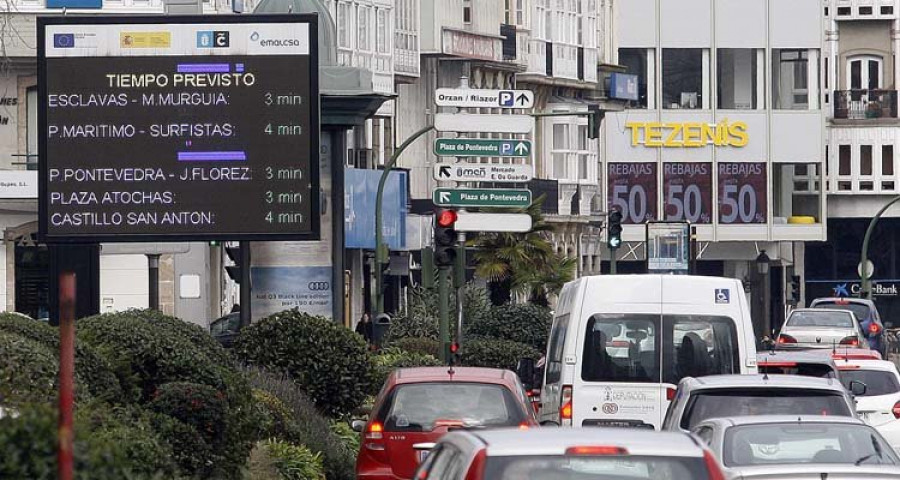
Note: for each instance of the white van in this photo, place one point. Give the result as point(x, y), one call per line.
point(620, 344)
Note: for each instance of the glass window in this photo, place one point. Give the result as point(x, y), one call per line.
point(422, 407)
point(821, 318)
point(887, 159)
point(865, 160)
point(343, 23)
point(817, 370)
point(791, 89)
point(621, 348)
point(698, 345)
point(861, 310)
point(878, 382)
point(738, 78)
point(721, 403)
point(682, 78)
point(594, 467)
point(556, 345)
point(381, 30)
point(636, 62)
point(799, 443)
point(844, 160)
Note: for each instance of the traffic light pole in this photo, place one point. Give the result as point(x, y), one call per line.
point(444, 312)
point(612, 260)
point(245, 284)
point(380, 249)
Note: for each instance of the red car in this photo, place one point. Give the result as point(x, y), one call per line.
point(419, 405)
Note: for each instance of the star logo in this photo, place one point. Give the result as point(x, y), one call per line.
point(840, 290)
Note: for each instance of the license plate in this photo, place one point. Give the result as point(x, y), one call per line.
point(421, 454)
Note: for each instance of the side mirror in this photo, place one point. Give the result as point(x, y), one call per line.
point(858, 388)
point(358, 425)
point(525, 370)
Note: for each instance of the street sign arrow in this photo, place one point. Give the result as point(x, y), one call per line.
point(482, 98)
point(483, 172)
point(464, 147)
point(467, 122)
point(492, 222)
point(481, 197)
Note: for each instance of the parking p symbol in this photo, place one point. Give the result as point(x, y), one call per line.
point(506, 98)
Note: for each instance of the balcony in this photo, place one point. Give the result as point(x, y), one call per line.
point(865, 104)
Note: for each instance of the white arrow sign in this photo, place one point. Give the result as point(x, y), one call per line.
point(466, 122)
point(472, 98)
point(475, 172)
point(492, 222)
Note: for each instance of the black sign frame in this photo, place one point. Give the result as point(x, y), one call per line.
point(314, 232)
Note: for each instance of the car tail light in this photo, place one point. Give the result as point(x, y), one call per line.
point(850, 341)
point(874, 328)
point(896, 410)
point(778, 364)
point(524, 426)
point(448, 423)
point(374, 432)
point(712, 466)
point(670, 394)
point(565, 409)
point(596, 450)
point(476, 469)
point(619, 344)
point(848, 367)
point(786, 339)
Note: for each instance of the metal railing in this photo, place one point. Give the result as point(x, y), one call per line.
point(865, 104)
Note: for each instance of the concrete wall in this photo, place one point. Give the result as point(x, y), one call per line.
point(870, 37)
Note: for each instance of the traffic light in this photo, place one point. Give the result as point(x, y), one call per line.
point(795, 288)
point(614, 229)
point(444, 237)
point(455, 355)
point(234, 254)
point(595, 118)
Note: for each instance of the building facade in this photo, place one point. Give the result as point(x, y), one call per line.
point(727, 134)
point(862, 51)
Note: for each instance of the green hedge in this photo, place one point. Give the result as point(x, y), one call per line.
point(147, 351)
point(391, 359)
point(525, 323)
point(329, 362)
point(295, 462)
point(493, 353)
point(420, 345)
point(28, 371)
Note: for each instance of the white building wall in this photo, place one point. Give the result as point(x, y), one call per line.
point(124, 282)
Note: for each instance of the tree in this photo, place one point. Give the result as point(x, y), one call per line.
point(522, 263)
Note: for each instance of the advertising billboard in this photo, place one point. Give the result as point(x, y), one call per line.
point(178, 128)
point(631, 189)
point(742, 192)
point(360, 188)
point(687, 190)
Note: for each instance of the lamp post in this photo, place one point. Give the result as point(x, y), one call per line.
point(762, 267)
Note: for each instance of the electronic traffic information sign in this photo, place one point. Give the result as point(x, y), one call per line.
point(178, 128)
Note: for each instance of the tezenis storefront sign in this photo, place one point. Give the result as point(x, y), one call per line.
point(688, 135)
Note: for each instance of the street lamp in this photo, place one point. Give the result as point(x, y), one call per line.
point(762, 263)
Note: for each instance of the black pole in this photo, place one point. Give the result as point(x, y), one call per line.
point(245, 284)
point(153, 263)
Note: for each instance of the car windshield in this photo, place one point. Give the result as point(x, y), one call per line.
point(817, 370)
point(653, 348)
point(723, 403)
point(594, 468)
point(877, 382)
point(775, 444)
point(823, 318)
point(861, 311)
point(423, 406)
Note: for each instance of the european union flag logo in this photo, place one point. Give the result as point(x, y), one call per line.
point(840, 290)
point(63, 40)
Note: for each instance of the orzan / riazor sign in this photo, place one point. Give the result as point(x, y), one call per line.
point(688, 135)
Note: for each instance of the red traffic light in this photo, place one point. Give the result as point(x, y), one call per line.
point(454, 347)
point(446, 218)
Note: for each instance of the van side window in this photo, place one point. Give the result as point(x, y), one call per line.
point(557, 344)
point(699, 345)
point(621, 348)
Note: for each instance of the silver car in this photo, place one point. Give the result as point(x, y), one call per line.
point(819, 327)
point(568, 453)
point(715, 396)
point(792, 447)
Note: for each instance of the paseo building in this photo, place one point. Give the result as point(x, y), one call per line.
point(728, 134)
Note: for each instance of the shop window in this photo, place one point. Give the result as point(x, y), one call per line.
point(887, 160)
point(797, 190)
point(793, 87)
point(844, 160)
point(683, 84)
point(738, 78)
point(865, 160)
point(637, 62)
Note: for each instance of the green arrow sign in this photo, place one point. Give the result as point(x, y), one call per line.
point(481, 197)
point(461, 147)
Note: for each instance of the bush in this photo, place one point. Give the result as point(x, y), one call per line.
point(420, 345)
point(493, 353)
point(295, 462)
point(349, 438)
point(304, 424)
point(28, 371)
point(109, 445)
point(420, 319)
point(329, 362)
point(93, 371)
point(526, 323)
point(391, 359)
point(148, 350)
